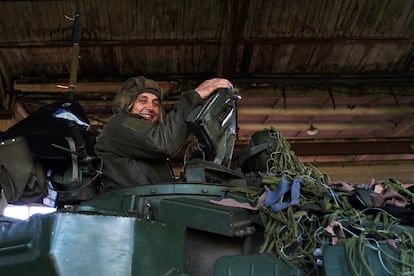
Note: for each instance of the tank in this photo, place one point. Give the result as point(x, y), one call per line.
point(265, 214)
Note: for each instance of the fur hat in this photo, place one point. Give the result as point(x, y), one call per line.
point(130, 90)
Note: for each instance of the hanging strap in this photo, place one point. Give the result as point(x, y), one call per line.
point(252, 151)
point(75, 168)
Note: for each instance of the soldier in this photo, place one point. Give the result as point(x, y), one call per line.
point(138, 139)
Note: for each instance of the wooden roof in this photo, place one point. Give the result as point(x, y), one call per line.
point(344, 66)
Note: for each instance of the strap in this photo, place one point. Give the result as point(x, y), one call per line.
point(51, 198)
point(252, 151)
point(75, 169)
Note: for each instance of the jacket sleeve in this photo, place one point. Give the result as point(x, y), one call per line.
point(135, 137)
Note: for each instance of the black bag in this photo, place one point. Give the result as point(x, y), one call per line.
point(56, 138)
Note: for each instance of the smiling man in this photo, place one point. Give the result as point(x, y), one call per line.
point(139, 138)
point(147, 105)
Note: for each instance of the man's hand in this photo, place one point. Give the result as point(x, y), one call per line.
point(206, 88)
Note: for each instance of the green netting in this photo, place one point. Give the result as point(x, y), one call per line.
point(299, 233)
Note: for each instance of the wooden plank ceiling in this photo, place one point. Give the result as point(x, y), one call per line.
point(343, 66)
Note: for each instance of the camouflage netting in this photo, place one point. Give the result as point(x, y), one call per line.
point(324, 215)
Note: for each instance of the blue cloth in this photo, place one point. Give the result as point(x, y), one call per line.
point(274, 199)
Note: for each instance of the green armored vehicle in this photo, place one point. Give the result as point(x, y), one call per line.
point(267, 214)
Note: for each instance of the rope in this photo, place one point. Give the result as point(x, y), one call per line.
point(298, 233)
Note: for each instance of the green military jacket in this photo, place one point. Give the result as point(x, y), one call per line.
point(135, 150)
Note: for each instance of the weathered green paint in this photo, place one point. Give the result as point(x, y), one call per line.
point(138, 201)
point(203, 215)
point(253, 265)
point(336, 260)
point(79, 244)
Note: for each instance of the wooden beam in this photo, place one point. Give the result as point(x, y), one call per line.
point(294, 111)
point(90, 87)
point(321, 126)
point(362, 172)
point(5, 124)
point(96, 87)
point(19, 112)
point(318, 147)
point(354, 148)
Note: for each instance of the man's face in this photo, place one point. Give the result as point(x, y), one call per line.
point(148, 106)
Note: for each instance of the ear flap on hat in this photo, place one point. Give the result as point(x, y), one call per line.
point(130, 89)
point(126, 95)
